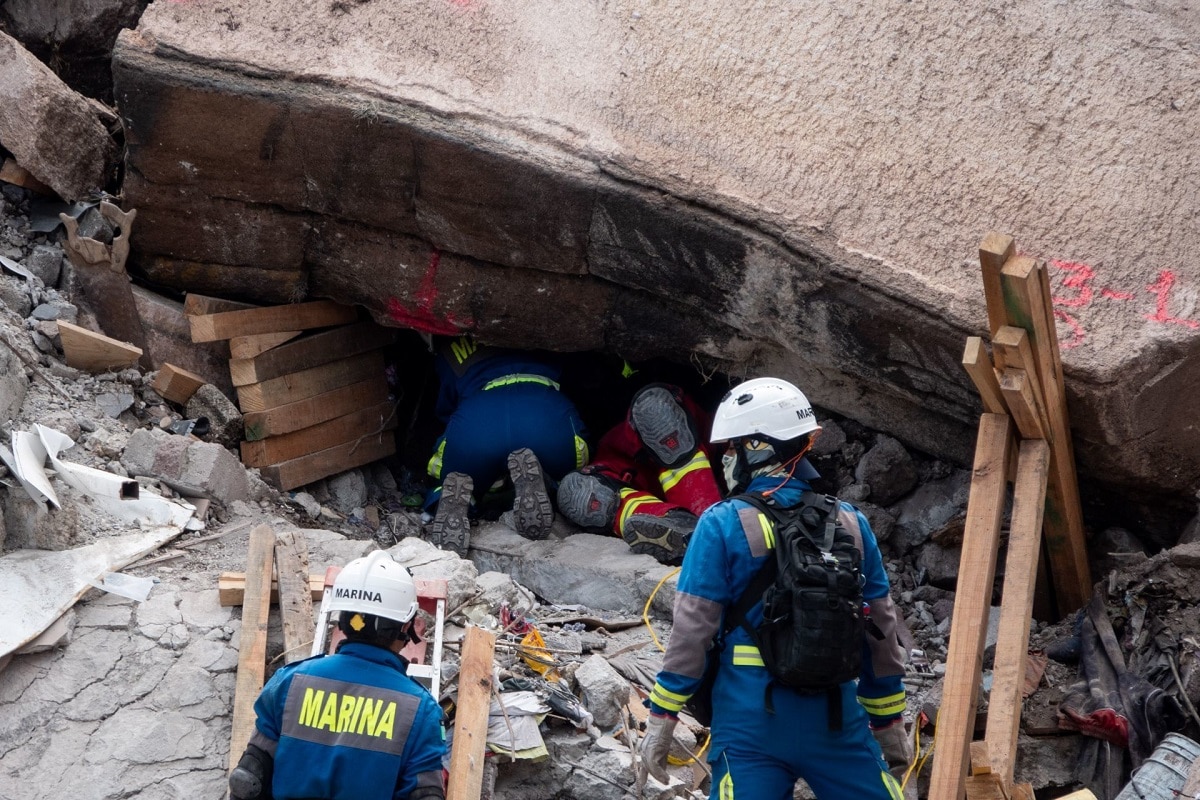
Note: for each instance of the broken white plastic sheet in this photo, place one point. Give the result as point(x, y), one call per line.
point(39, 586)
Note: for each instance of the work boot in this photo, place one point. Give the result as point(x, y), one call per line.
point(662, 425)
point(665, 538)
point(451, 529)
point(532, 513)
point(589, 499)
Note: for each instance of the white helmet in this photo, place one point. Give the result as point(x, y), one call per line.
point(377, 585)
point(765, 406)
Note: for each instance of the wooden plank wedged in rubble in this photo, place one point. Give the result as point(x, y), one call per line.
point(315, 410)
point(323, 463)
point(972, 599)
point(977, 364)
point(176, 383)
point(310, 382)
point(231, 588)
point(95, 352)
point(311, 351)
point(1016, 608)
point(295, 596)
point(250, 346)
point(270, 319)
point(347, 428)
point(1027, 303)
point(252, 641)
point(195, 305)
point(471, 717)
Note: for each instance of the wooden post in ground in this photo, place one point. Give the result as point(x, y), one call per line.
point(295, 595)
point(1020, 578)
point(471, 717)
point(252, 642)
point(977, 571)
point(1027, 303)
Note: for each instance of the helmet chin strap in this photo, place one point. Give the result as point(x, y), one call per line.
point(790, 466)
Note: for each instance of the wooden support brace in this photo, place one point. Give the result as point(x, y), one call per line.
point(277, 449)
point(310, 382)
point(315, 410)
point(994, 251)
point(1012, 349)
point(1016, 610)
point(323, 463)
point(95, 352)
point(1028, 307)
point(176, 383)
point(977, 364)
point(270, 319)
point(471, 718)
point(972, 601)
point(295, 595)
point(252, 645)
point(311, 351)
point(1022, 403)
point(196, 304)
point(250, 346)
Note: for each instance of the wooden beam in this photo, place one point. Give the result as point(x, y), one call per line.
point(1012, 349)
point(972, 601)
point(314, 466)
point(1082, 794)
point(347, 428)
point(1016, 608)
point(295, 595)
point(315, 410)
point(270, 319)
point(981, 759)
point(197, 304)
point(14, 173)
point(985, 787)
point(176, 383)
point(310, 382)
point(977, 364)
point(231, 588)
point(994, 251)
point(471, 718)
point(252, 641)
point(95, 352)
point(1028, 307)
point(250, 346)
point(311, 351)
point(1022, 403)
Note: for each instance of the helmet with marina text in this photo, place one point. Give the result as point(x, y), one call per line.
point(764, 408)
point(375, 585)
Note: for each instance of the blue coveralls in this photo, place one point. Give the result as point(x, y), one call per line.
point(351, 726)
point(755, 753)
point(495, 401)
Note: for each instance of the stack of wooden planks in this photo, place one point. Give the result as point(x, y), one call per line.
point(310, 383)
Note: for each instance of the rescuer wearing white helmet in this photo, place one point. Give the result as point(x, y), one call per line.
point(766, 735)
point(352, 724)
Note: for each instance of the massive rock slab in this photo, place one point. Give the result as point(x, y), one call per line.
point(758, 187)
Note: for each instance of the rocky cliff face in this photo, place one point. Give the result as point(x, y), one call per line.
point(798, 191)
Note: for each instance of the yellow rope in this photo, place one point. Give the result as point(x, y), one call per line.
point(919, 763)
point(646, 610)
point(693, 758)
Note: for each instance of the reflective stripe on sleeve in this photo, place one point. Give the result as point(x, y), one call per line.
point(435, 462)
point(670, 478)
point(582, 455)
point(883, 706)
point(669, 700)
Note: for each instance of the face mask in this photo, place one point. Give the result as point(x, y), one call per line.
point(733, 471)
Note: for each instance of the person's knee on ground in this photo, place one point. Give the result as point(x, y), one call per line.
point(666, 429)
point(451, 526)
point(533, 513)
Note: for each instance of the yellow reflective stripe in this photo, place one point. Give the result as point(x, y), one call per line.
point(633, 504)
point(626, 370)
point(668, 700)
point(519, 377)
point(895, 790)
point(768, 530)
point(582, 456)
point(435, 462)
point(747, 655)
point(670, 477)
point(883, 706)
point(726, 790)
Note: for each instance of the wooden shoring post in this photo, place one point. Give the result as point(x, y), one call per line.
point(1023, 403)
point(972, 601)
point(295, 595)
point(471, 718)
point(1013, 350)
point(252, 641)
point(994, 251)
point(1016, 609)
point(977, 364)
point(1028, 306)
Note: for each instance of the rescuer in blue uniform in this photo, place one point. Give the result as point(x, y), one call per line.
point(504, 415)
point(350, 726)
point(755, 752)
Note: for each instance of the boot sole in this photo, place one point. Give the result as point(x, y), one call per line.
point(575, 495)
point(657, 537)
point(533, 514)
point(451, 527)
point(658, 419)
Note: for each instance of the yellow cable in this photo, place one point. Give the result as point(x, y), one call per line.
point(679, 762)
point(919, 763)
point(646, 610)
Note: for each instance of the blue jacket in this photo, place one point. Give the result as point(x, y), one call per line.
point(350, 726)
point(465, 367)
point(722, 557)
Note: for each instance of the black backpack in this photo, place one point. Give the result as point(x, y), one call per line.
point(811, 635)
